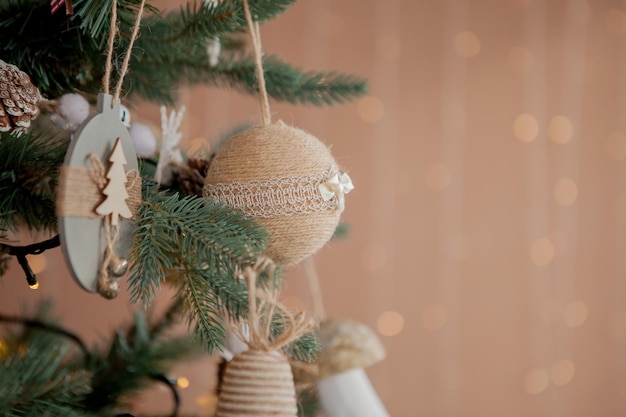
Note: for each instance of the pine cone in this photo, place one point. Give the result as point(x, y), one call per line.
point(18, 99)
point(190, 178)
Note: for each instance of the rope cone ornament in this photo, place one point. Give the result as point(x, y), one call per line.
point(288, 180)
point(258, 382)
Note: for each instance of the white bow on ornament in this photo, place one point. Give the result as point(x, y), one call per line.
point(337, 185)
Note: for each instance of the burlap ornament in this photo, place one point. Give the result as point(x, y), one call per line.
point(259, 382)
point(285, 178)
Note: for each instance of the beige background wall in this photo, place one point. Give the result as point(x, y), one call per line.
point(488, 220)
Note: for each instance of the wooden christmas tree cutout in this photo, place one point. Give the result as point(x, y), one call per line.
point(115, 190)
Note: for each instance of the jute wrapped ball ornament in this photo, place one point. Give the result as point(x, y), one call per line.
point(288, 180)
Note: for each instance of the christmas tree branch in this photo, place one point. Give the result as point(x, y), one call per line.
point(29, 168)
point(171, 50)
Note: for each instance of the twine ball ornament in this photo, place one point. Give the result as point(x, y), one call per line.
point(273, 173)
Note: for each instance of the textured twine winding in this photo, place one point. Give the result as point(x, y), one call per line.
point(108, 69)
point(259, 382)
point(249, 173)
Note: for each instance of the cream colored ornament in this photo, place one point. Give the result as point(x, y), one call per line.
point(288, 180)
point(344, 389)
point(258, 382)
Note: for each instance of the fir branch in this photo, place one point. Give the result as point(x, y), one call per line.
point(93, 17)
point(172, 232)
point(203, 20)
point(283, 81)
point(202, 309)
point(37, 379)
point(29, 166)
point(131, 360)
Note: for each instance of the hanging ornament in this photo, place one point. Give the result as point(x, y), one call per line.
point(343, 388)
point(72, 111)
point(169, 154)
point(214, 46)
point(283, 176)
point(91, 200)
point(19, 99)
point(99, 190)
point(258, 382)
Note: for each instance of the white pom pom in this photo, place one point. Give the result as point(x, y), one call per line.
point(144, 140)
point(73, 110)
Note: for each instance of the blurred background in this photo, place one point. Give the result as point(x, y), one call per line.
point(487, 227)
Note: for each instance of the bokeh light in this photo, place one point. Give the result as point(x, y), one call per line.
point(182, 382)
point(467, 44)
point(560, 130)
point(390, 323)
point(525, 128)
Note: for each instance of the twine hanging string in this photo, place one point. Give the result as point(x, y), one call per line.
point(263, 306)
point(109, 287)
point(255, 37)
point(314, 288)
point(106, 80)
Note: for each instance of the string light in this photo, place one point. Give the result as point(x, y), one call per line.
point(182, 382)
point(34, 286)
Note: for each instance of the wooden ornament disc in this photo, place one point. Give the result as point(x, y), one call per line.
point(83, 238)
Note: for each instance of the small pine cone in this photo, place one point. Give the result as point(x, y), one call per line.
point(19, 99)
point(190, 178)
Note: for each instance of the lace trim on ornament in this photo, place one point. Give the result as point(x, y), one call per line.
point(277, 196)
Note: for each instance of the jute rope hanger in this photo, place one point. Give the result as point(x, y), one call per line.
point(106, 80)
point(255, 37)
